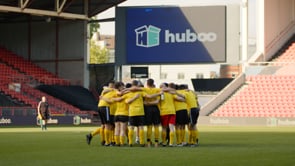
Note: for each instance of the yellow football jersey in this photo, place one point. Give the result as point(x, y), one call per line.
point(136, 107)
point(151, 91)
point(122, 106)
point(109, 95)
point(166, 104)
point(180, 105)
point(191, 100)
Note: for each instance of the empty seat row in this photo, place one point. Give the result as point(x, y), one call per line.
point(265, 96)
point(30, 68)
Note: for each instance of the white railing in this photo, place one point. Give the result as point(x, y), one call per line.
point(223, 95)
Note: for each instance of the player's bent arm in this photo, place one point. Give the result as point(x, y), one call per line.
point(150, 96)
point(133, 89)
point(179, 94)
point(179, 98)
point(106, 90)
point(132, 99)
point(117, 99)
point(125, 91)
point(154, 102)
point(38, 108)
point(167, 89)
point(109, 101)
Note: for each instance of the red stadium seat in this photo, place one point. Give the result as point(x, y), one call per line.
point(266, 96)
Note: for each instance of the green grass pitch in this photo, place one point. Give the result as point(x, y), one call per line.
point(219, 145)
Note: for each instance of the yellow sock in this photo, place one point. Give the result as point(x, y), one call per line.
point(130, 136)
point(107, 136)
point(172, 134)
point(102, 135)
point(112, 136)
point(149, 133)
point(194, 136)
point(122, 140)
point(141, 136)
point(117, 140)
point(157, 133)
point(164, 136)
point(178, 136)
point(95, 132)
point(182, 131)
point(197, 134)
point(190, 136)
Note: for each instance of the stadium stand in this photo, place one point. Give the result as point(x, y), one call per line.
point(265, 95)
point(6, 101)
point(287, 57)
point(30, 68)
point(19, 77)
point(75, 95)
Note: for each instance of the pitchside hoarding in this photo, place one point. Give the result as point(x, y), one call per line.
point(32, 120)
point(157, 35)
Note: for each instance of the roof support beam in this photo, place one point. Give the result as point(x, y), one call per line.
point(86, 7)
point(59, 7)
point(38, 12)
point(103, 20)
point(23, 3)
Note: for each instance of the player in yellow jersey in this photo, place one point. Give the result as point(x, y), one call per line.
point(92, 134)
point(181, 115)
point(193, 108)
point(152, 112)
point(136, 113)
point(121, 115)
point(107, 120)
point(106, 112)
point(167, 112)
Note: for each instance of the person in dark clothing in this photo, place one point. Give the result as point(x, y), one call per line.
point(43, 112)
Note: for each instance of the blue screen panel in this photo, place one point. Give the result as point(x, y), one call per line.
point(171, 35)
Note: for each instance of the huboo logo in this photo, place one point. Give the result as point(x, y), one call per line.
point(149, 36)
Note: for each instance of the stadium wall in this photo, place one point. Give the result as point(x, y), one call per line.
point(171, 73)
point(14, 36)
point(203, 120)
point(54, 120)
point(279, 25)
point(244, 121)
point(58, 45)
point(223, 95)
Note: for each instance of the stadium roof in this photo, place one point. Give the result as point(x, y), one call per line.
point(18, 10)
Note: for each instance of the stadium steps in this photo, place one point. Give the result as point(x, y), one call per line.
point(29, 68)
point(77, 96)
point(266, 96)
point(6, 101)
point(57, 106)
point(25, 95)
point(9, 77)
point(269, 94)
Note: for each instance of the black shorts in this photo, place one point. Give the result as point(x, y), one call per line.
point(194, 115)
point(104, 114)
point(136, 120)
point(112, 120)
point(181, 117)
point(152, 115)
point(121, 118)
point(44, 115)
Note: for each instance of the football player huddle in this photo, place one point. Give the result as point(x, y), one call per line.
point(161, 116)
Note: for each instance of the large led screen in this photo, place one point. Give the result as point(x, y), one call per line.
point(168, 35)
